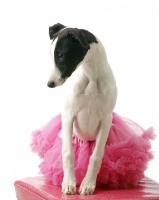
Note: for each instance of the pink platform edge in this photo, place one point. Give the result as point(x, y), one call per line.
point(37, 188)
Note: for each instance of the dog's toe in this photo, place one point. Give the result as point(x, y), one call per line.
point(87, 187)
point(69, 187)
point(87, 190)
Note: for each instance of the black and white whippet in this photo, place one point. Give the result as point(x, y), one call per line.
point(80, 58)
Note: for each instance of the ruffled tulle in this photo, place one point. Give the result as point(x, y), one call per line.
point(126, 156)
point(44, 139)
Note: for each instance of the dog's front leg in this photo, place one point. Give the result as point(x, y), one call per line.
point(69, 182)
point(89, 182)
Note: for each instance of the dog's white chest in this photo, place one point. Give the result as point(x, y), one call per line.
point(88, 108)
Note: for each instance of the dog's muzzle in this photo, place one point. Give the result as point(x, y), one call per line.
point(50, 84)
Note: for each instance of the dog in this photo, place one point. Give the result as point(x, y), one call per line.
point(79, 58)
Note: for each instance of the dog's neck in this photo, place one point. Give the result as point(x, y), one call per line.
point(95, 62)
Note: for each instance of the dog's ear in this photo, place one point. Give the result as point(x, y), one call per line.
point(77, 33)
point(54, 29)
point(89, 36)
point(84, 37)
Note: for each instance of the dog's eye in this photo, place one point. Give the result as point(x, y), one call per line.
point(60, 55)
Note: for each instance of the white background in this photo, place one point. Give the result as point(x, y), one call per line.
point(129, 31)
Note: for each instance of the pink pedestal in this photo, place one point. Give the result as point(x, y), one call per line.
point(36, 188)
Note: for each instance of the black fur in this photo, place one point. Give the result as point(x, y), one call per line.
point(77, 33)
point(68, 53)
point(53, 30)
point(89, 36)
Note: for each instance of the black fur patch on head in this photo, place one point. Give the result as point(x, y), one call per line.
point(71, 47)
point(68, 53)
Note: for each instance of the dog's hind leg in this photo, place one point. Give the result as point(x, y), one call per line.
point(89, 182)
point(69, 182)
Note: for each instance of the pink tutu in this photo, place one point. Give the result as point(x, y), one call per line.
point(126, 156)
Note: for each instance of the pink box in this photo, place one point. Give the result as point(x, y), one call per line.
point(36, 188)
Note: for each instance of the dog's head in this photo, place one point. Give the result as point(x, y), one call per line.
point(68, 49)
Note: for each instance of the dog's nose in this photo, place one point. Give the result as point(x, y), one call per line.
point(50, 84)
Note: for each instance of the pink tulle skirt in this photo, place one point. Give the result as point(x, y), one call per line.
point(126, 156)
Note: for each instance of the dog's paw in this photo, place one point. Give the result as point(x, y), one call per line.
point(87, 186)
point(69, 186)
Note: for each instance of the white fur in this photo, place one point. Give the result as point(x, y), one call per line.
point(55, 74)
point(87, 112)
